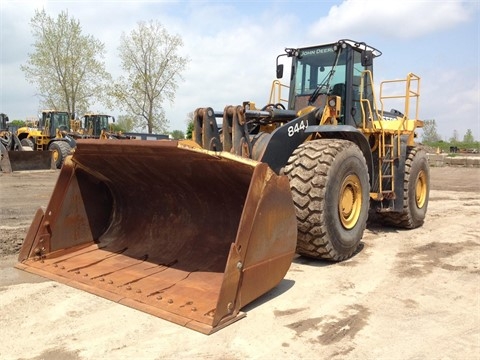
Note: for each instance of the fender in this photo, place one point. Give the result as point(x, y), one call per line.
point(277, 147)
point(277, 151)
point(68, 139)
point(347, 132)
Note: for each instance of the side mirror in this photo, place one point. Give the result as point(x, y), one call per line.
point(279, 71)
point(367, 58)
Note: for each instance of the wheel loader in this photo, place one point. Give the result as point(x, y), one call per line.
point(192, 231)
point(16, 157)
point(100, 126)
point(50, 133)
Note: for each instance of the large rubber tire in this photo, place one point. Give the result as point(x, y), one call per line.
point(416, 190)
point(6, 139)
point(27, 144)
point(330, 189)
point(61, 150)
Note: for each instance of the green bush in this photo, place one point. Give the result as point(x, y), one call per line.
point(446, 147)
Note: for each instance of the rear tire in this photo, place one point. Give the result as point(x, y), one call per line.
point(61, 150)
point(416, 191)
point(330, 189)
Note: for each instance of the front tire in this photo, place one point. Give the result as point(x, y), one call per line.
point(330, 189)
point(61, 150)
point(27, 144)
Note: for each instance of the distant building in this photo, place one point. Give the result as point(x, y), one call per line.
point(146, 136)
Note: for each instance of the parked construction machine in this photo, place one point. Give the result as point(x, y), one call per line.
point(100, 126)
point(16, 157)
point(51, 132)
point(193, 231)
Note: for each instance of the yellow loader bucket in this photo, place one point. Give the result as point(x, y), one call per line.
point(185, 234)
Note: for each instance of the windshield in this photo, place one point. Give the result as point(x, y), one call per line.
point(97, 123)
point(103, 121)
point(60, 120)
point(314, 66)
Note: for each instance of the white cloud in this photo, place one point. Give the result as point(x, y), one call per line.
point(395, 18)
point(451, 98)
point(233, 61)
point(233, 45)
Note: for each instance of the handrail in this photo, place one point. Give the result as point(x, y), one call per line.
point(363, 100)
point(410, 81)
point(276, 92)
point(412, 91)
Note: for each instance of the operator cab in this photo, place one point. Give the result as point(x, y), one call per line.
point(50, 121)
point(332, 69)
point(3, 121)
point(97, 123)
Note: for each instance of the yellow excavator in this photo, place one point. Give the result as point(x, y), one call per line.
point(192, 231)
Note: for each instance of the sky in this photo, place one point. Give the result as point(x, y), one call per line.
point(233, 45)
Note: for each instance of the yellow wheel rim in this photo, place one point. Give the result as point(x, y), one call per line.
point(421, 189)
point(55, 155)
point(350, 204)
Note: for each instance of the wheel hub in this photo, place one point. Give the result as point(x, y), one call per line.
point(350, 201)
point(421, 189)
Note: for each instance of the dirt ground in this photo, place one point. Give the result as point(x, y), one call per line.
point(406, 295)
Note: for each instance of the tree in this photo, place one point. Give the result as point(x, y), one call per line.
point(190, 125)
point(65, 64)
point(177, 134)
point(149, 56)
point(430, 131)
point(17, 123)
point(468, 137)
point(454, 138)
point(125, 122)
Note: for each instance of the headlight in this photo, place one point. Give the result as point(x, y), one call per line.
point(332, 102)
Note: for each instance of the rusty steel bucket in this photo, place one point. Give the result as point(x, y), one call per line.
point(185, 234)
